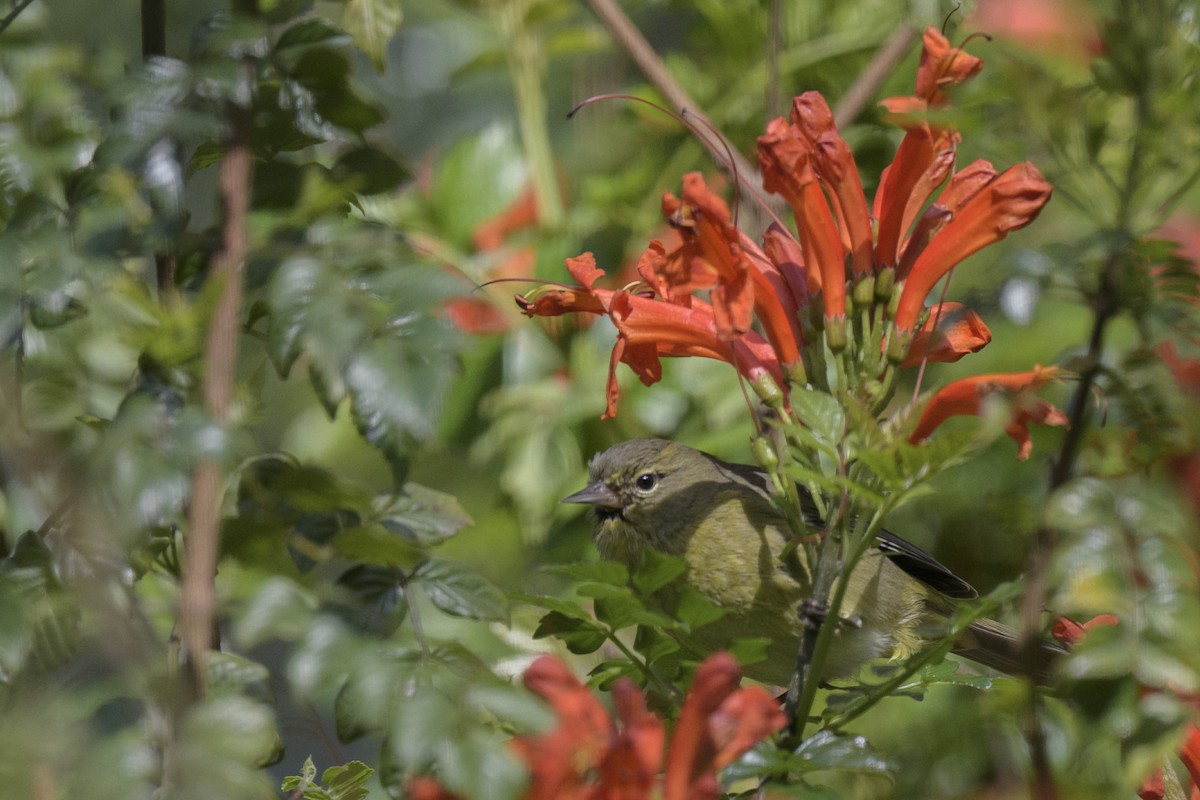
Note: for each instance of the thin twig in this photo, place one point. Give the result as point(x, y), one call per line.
point(631, 39)
point(870, 79)
point(11, 16)
point(198, 594)
point(154, 28)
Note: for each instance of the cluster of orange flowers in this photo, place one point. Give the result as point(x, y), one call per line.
point(880, 260)
point(588, 756)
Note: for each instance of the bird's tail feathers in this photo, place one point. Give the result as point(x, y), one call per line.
point(997, 646)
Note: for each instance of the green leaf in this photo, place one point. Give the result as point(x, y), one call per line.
point(657, 570)
point(326, 73)
point(480, 764)
point(369, 171)
point(580, 636)
point(205, 155)
point(694, 609)
point(600, 571)
point(424, 515)
point(396, 395)
point(347, 781)
point(372, 23)
point(308, 31)
point(459, 590)
point(829, 750)
point(366, 701)
point(511, 705)
point(376, 604)
point(374, 544)
point(750, 650)
point(231, 674)
point(567, 608)
point(420, 726)
point(652, 643)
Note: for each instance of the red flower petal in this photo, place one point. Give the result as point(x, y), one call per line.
point(952, 331)
point(835, 164)
point(966, 396)
point(784, 157)
point(943, 66)
point(1008, 203)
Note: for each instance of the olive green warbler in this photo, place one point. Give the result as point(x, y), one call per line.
point(655, 494)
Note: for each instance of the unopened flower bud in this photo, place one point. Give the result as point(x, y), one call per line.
point(885, 281)
point(898, 346)
point(835, 333)
point(764, 453)
point(767, 390)
point(864, 292)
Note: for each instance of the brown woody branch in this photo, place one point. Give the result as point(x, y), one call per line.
point(197, 608)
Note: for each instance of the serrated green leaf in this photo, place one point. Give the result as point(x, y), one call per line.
point(459, 590)
point(347, 781)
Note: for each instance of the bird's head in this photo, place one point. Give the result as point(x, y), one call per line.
point(636, 490)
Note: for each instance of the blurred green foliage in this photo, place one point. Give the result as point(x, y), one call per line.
point(391, 475)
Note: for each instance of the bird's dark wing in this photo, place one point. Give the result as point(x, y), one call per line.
point(905, 555)
point(924, 567)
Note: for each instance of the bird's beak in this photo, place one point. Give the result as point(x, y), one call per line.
point(596, 494)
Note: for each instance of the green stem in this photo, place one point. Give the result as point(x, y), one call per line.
point(911, 667)
point(666, 687)
point(525, 64)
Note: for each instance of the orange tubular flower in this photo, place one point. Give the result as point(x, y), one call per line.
point(966, 397)
point(835, 163)
point(1009, 202)
point(649, 329)
point(943, 66)
point(952, 331)
point(807, 162)
point(785, 158)
point(587, 756)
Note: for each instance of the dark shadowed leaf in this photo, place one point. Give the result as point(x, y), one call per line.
point(459, 590)
point(580, 636)
point(424, 515)
point(308, 31)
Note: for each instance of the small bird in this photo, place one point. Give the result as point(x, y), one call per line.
point(655, 494)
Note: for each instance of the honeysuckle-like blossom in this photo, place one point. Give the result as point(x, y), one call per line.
point(589, 756)
point(951, 332)
point(852, 280)
point(648, 329)
point(1070, 633)
point(967, 396)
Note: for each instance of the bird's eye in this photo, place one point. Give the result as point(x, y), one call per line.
point(646, 481)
